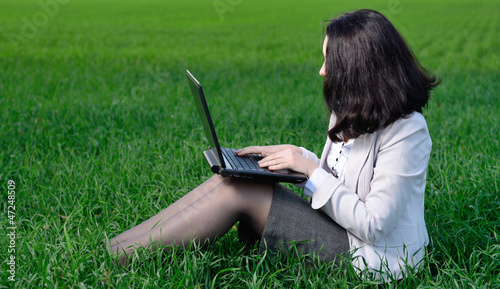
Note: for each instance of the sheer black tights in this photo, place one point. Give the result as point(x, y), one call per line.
point(202, 215)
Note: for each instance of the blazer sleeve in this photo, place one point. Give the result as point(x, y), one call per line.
point(394, 169)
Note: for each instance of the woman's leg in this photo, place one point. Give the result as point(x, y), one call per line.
point(168, 212)
point(203, 214)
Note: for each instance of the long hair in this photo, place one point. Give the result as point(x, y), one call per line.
point(372, 77)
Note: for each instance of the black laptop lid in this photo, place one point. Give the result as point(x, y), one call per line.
point(206, 120)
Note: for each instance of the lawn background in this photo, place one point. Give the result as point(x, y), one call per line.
point(99, 132)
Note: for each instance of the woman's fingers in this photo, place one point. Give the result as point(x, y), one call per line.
point(249, 150)
point(267, 150)
point(276, 161)
point(288, 159)
point(262, 150)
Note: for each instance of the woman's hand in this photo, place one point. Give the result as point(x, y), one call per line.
point(279, 157)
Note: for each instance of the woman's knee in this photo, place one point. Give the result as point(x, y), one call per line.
point(248, 194)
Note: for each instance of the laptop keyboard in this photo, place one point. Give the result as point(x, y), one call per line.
point(248, 162)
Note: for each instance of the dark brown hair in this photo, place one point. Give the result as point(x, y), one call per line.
point(372, 77)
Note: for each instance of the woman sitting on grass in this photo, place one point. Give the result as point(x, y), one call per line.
point(367, 188)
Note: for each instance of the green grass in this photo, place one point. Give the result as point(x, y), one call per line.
point(99, 132)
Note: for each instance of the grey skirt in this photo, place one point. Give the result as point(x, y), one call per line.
point(294, 227)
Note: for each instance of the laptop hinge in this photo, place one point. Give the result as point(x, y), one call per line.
point(212, 161)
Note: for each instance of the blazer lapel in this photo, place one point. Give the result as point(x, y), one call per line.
point(326, 148)
point(324, 154)
point(358, 157)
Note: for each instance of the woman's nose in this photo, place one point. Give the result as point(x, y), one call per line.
point(322, 71)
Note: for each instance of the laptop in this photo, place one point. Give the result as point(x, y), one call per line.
point(224, 161)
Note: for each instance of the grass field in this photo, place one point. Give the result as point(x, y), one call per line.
point(98, 132)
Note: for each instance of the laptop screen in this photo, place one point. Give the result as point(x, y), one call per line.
point(206, 120)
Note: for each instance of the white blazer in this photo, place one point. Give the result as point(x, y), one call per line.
point(381, 204)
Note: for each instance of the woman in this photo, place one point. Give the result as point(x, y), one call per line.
point(367, 188)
